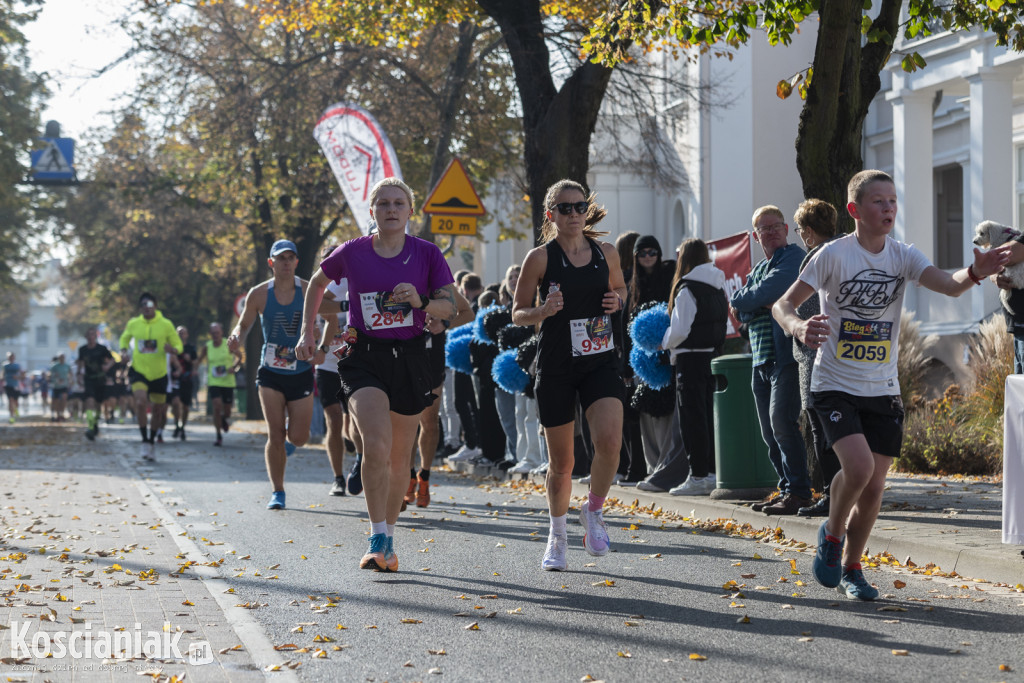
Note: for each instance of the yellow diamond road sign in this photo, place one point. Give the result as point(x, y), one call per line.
point(454, 194)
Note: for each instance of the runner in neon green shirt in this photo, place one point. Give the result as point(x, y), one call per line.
point(150, 337)
point(221, 364)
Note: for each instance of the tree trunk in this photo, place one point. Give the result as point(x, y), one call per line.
point(844, 83)
point(455, 88)
point(557, 124)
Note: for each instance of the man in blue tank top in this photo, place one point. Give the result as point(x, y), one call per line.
point(285, 383)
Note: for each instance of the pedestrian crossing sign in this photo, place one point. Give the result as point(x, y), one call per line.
point(54, 162)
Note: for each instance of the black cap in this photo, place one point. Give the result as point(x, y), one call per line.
point(647, 242)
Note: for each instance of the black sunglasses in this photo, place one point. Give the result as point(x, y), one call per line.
point(565, 208)
point(647, 252)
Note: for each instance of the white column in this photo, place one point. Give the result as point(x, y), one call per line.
point(912, 161)
point(991, 165)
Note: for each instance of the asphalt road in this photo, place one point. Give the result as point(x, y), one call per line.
point(470, 586)
point(470, 602)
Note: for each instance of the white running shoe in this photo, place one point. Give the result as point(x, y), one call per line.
point(540, 469)
point(695, 486)
point(464, 454)
point(146, 451)
point(522, 467)
point(554, 554)
point(595, 533)
point(619, 476)
point(585, 480)
point(649, 487)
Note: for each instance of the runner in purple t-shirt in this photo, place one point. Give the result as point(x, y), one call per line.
point(394, 280)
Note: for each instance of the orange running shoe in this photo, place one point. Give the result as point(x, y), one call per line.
point(390, 557)
point(375, 557)
point(422, 493)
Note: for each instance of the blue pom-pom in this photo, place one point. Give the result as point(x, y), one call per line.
point(460, 331)
point(650, 368)
point(479, 333)
point(507, 374)
point(648, 327)
point(456, 353)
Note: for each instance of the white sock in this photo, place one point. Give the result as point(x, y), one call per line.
point(391, 530)
point(378, 527)
point(558, 525)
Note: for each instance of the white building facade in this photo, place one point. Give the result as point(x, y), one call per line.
point(951, 134)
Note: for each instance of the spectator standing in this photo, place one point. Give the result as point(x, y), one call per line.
point(816, 224)
point(698, 316)
point(775, 381)
point(1014, 320)
point(651, 284)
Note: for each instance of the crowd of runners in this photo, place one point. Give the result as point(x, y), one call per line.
point(557, 370)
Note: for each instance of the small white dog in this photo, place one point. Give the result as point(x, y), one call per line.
point(991, 234)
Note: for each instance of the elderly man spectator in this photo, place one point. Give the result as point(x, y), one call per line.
point(775, 380)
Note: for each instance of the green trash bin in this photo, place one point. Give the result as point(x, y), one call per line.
point(741, 456)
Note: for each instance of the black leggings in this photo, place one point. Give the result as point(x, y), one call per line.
point(695, 403)
point(827, 459)
point(465, 406)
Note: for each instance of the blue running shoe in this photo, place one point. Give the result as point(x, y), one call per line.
point(289, 447)
point(276, 501)
point(355, 477)
point(827, 566)
point(855, 585)
point(375, 557)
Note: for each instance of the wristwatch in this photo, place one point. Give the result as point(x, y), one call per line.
point(425, 300)
point(324, 347)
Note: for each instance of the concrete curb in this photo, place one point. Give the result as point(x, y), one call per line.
point(970, 552)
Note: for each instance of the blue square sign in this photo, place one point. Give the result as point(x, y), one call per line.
point(55, 162)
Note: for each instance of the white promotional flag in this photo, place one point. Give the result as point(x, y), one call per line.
point(359, 153)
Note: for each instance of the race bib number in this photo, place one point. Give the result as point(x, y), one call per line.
point(280, 357)
point(864, 341)
point(591, 335)
point(382, 312)
point(220, 371)
point(147, 346)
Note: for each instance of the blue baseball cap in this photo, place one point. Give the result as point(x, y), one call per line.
point(282, 246)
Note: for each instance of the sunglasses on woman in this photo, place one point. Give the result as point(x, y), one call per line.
point(565, 208)
point(647, 252)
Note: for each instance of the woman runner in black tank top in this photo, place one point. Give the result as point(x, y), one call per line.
point(583, 289)
point(581, 285)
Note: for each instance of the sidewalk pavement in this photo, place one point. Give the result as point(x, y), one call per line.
point(954, 523)
point(87, 548)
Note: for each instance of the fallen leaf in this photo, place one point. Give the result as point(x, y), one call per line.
point(899, 584)
point(696, 657)
point(743, 620)
point(437, 652)
point(626, 654)
point(412, 621)
point(473, 627)
point(901, 653)
point(805, 639)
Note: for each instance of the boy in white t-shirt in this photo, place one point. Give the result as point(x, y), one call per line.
point(860, 279)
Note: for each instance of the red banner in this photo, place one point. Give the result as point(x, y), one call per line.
point(732, 256)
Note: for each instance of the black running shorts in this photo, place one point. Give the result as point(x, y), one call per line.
point(878, 418)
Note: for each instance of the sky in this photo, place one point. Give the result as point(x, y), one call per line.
point(72, 40)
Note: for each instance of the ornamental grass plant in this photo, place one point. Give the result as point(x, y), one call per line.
point(962, 431)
